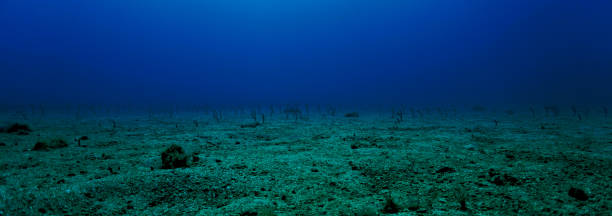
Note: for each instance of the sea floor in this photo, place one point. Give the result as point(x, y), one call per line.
point(463, 164)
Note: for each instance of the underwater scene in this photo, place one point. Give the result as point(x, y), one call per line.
point(335, 107)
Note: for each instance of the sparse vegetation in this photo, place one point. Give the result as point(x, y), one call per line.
point(552, 110)
point(323, 166)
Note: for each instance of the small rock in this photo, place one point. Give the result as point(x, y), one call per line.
point(578, 194)
point(352, 115)
point(53, 144)
point(446, 170)
point(390, 206)
point(19, 129)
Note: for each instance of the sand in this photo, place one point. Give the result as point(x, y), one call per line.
point(457, 163)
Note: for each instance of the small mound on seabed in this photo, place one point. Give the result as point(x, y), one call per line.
point(16, 128)
point(48, 145)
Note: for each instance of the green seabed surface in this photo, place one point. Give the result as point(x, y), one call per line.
point(434, 164)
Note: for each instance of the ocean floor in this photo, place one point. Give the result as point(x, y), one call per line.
point(373, 164)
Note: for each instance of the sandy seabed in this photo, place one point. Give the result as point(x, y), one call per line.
point(456, 164)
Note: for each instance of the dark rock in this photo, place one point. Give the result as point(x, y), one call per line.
point(2, 144)
point(53, 144)
point(352, 115)
point(84, 138)
point(19, 129)
point(578, 194)
point(390, 207)
point(174, 157)
point(446, 170)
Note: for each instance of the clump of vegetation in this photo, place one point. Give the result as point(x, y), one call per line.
point(19, 129)
point(331, 111)
point(352, 115)
point(533, 113)
point(217, 115)
point(397, 115)
point(49, 145)
point(554, 110)
point(174, 157)
point(296, 112)
point(461, 196)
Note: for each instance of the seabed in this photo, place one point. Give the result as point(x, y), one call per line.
point(428, 163)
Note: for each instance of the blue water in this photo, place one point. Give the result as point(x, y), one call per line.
point(422, 52)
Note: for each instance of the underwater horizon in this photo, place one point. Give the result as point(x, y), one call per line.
point(319, 107)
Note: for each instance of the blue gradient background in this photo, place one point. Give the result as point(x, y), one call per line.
point(315, 51)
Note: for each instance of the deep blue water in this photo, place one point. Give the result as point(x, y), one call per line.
point(315, 51)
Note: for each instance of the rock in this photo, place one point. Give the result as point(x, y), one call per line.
point(578, 194)
point(252, 125)
point(53, 144)
point(19, 129)
point(174, 157)
point(40, 146)
point(446, 170)
point(390, 206)
point(352, 115)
